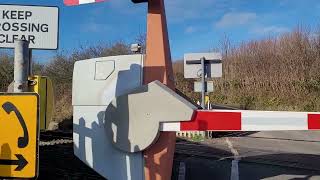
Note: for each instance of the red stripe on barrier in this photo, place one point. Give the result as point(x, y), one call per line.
point(314, 121)
point(218, 121)
point(77, 2)
point(71, 2)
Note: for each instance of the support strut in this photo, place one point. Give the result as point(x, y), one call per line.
point(158, 66)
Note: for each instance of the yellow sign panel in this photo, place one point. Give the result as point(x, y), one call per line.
point(19, 131)
point(43, 86)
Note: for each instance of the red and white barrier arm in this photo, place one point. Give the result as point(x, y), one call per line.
point(78, 2)
point(238, 120)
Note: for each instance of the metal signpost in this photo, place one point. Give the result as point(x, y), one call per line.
point(19, 115)
point(193, 67)
point(204, 65)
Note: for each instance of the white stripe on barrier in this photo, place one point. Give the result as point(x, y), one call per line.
point(86, 1)
point(170, 126)
point(79, 2)
point(273, 121)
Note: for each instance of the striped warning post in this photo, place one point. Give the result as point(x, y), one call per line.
point(237, 120)
point(78, 2)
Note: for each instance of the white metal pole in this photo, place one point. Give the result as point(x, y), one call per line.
point(203, 82)
point(21, 66)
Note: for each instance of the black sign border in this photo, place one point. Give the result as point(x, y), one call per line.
point(58, 35)
point(38, 132)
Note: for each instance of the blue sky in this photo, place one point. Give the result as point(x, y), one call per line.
point(194, 25)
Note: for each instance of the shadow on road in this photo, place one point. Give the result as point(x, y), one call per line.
point(233, 134)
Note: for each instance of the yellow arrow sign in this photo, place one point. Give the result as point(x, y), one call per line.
point(19, 132)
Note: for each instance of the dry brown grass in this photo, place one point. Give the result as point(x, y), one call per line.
point(272, 74)
point(63, 103)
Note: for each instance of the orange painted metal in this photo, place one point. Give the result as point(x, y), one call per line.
point(158, 66)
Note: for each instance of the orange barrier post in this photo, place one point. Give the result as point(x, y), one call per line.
point(158, 66)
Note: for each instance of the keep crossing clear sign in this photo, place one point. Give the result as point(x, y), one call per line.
point(37, 24)
point(19, 132)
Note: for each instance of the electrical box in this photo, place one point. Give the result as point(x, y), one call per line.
point(96, 82)
point(42, 85)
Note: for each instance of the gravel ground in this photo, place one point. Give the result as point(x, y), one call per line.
point(58, 162)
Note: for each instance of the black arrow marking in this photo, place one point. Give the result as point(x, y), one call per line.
point(22, 141)
point(21, 162)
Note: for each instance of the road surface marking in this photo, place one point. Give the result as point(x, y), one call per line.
point(182, 171)
point(128, 167)
point(235, 161)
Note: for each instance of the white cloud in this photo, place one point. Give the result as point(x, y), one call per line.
point(236, 19)
point(284, 2)
point(190, 29)
point(177, 10)
point(93, 27)
point(181, 10)
point(269, 30)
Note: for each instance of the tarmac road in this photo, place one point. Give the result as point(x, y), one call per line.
point(250, 155)
point(230, 156)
